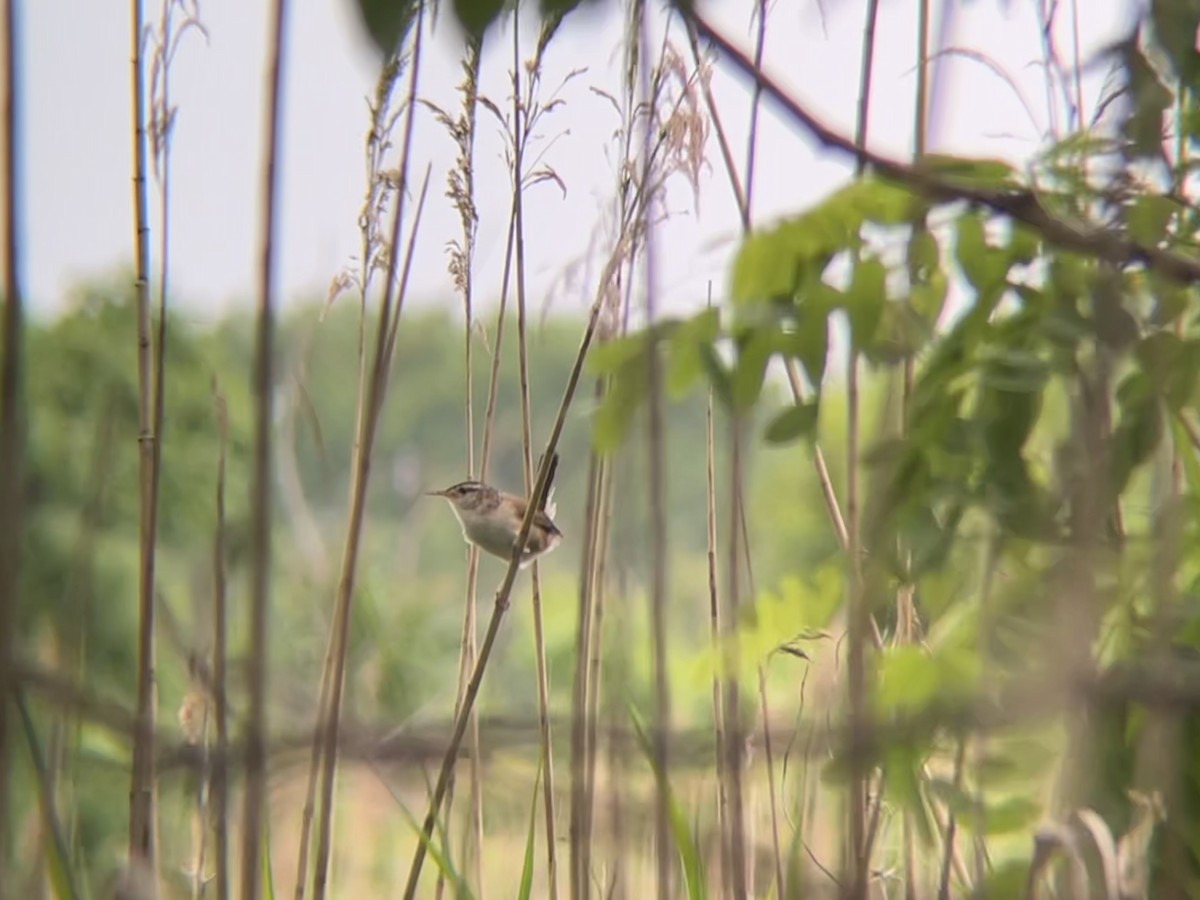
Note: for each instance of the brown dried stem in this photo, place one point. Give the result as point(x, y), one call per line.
point(12, 418)
point(141, 788)
point(520, 134)
point(255, 792)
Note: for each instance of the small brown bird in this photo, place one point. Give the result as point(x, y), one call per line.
point(491, 520)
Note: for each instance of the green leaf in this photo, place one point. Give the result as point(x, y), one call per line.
point(982, 264)
point(437, 852)
point(809, 343)
point(865, 299)
point(1009, 879)
point(387, 22)
point(685, 365)
point(1150, 99)
point(622, 401)
point(685, 842)
point(1139, 429)
point(977, 173)
point(1171, 365)
point(903, 768)
point(1012, 814)
point(1175, 26)
point(1148, 217)
point(754, 352)
point(476, 15)
point(901, 334)
point(909, 679)
point(613, 355)
point(718, 374)
point(794, 422)
point(773, 263)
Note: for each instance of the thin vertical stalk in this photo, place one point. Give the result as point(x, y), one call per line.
point(734, 744)
point(503, 593)
point(905, 609)
point(521, 124)
point(255, 792)
point(12, 422)
point(220, 775)
point(141, 789)
point(600, 545)
point(471, 614)
point(659, 546)
point(760, 45)
point(856, 605)
point(715, 638)
point(462, 192)
point(388, 325)
point(578, 830)
point(751, 160)
point(377, 143)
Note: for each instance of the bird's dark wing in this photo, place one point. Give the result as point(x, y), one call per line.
point(544, 521)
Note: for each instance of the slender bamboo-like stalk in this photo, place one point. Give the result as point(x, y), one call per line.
point(521, 128)
point(716, 636)
point(462, 193)
point(12, 418)
point(592, 705)
point(255, 792)
point(659, 546)
point(751, 159)
point(500, 604)
point(141, 789)
point(390, 311)
point(382, 122)
point(905, 607)
point(734, 740)
point(859, 863)
point(578, 829)
point(385, 348)
point(220, 775)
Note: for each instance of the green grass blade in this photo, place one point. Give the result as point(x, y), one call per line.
point(61, 876)
point(530, 841)
point(440, 859)
point(268, 872)
point(685, 841)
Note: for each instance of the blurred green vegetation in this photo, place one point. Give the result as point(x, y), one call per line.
point(78, 612)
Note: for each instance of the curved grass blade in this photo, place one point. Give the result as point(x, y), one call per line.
point(526, 889)
point(61, 877)
point(683, 837)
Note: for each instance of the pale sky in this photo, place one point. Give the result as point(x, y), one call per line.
point(77, 145)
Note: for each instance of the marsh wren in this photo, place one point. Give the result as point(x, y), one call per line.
point(491, 520)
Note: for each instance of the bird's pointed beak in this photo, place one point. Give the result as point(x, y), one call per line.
point(441, 493)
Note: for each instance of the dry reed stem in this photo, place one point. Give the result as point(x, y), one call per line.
point(503, 592)
point(520, 135)
point(748, 217)
point(255, 791)
point(858, 867)
point(716, 636)
point(734, 742)
point(378, 139)
point(659, 547)
point(592, 704)
point(220, 780)
point(579, 844)
point(12, 419)
point(389, 322)
point(462, 193)
point(141, 789)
